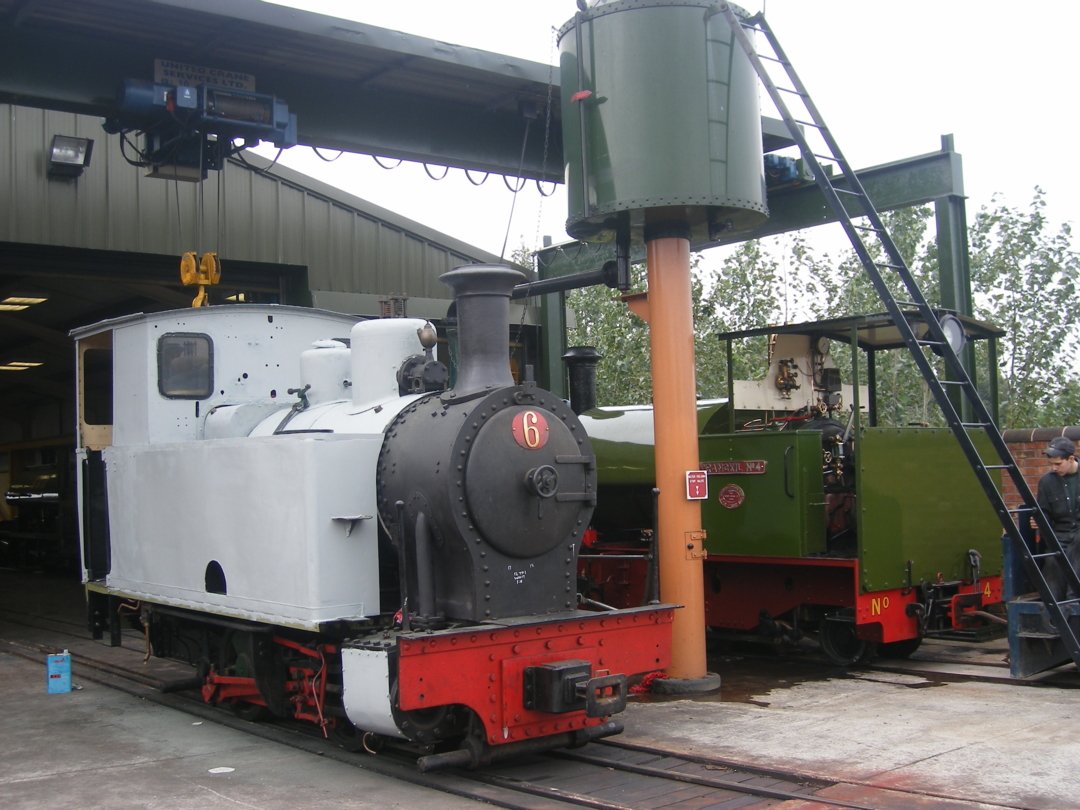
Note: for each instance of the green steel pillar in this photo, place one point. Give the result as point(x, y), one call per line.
point(954, 266)
point(551, 374)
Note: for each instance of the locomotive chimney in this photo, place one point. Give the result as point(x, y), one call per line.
point(482, 297)
point(581, 363)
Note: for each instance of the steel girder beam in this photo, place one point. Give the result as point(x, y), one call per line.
point(352, 86)
point(36, 69)
point(900, 184)
point(914, 181)
point(935, 177)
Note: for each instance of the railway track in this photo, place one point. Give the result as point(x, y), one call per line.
point(605, 775)
point(610, 775)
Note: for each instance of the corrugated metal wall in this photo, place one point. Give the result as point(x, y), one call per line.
point(349, 246)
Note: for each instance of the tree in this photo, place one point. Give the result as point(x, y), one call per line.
point(1025, 280)
point(744, 292)
point(1017, 267)
point(602, 320)
point(842, 288)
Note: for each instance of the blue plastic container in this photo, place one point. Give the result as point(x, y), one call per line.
point(58, 673)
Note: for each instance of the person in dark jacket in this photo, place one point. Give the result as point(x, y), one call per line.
point(1059, 497)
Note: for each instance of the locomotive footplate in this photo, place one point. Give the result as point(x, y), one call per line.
point(566, 672)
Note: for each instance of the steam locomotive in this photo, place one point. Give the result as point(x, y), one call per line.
point(298, 505)
point(821, 521)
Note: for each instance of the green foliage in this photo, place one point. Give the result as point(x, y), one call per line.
point(744, 292)
point(524, 260)
point(1025, 280)
point(603, 321)
point(903, 397)
point(1017, 266)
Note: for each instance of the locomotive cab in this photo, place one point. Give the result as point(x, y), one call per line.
point(166, 408)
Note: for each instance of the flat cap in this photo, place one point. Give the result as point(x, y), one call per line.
point(1060, 447)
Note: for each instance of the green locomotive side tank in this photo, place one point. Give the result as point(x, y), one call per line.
point(622, 439)
point(917, 514)
point(660, 121)
point(766, 497)
point(921, 508)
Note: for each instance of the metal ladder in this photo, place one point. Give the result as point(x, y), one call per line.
point(854, 196)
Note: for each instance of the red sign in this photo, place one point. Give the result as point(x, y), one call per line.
point(732, 496)
point(697, 485)
point(756, 467)
point(530, 429)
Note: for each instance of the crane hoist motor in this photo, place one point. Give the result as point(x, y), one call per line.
point(188, 130)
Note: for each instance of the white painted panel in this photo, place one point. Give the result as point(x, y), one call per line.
point(366, 691)
point(763, 395)
point(130, 390)
point(378, 350)
point(256, 357)
point(264, 509)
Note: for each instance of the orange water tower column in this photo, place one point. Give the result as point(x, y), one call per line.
point(662, 142)
point(682, 546)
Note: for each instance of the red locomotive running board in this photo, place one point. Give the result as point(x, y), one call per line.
point(889, 608)
point(484, 668)
point(744, 586)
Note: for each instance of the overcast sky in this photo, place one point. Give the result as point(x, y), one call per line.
point(888, 77)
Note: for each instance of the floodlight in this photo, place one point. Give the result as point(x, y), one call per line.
point(68, 156)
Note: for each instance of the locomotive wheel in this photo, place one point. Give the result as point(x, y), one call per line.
point(900, 649)
point(349, 737)
point(840, 644)
point(437, 724)
point(237, 658)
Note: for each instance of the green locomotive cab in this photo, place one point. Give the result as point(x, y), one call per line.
point(822, 518)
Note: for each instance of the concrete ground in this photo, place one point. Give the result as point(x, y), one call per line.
point(99, 748)
point(1001, 744)
point(955, 730)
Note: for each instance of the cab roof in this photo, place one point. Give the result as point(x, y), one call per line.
point(871, 332)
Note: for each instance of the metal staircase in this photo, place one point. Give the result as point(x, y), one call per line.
point(850, 199)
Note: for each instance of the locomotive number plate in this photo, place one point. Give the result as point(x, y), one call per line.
point(755, 467)
point(530, 429)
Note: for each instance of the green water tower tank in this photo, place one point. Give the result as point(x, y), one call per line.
point(661, 122)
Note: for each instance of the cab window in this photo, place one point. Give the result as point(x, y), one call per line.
point(185, 366)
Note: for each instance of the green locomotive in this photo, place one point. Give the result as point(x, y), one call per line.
point(819, 520)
